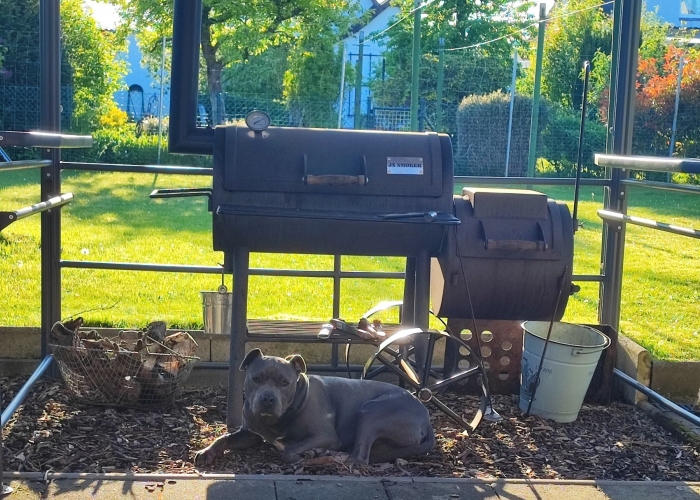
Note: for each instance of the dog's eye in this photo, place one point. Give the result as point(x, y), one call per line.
point(256, 380)
point(285, 383)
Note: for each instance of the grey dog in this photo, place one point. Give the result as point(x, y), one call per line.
point(371, 421)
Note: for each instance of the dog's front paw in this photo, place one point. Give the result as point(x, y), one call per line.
point(204, 457)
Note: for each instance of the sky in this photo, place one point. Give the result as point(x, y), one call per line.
point(105, 14)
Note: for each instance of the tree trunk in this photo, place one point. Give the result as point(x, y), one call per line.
point(214, 67)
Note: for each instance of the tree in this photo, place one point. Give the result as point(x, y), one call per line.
point(88, 70)
point(96, 71)
point(234, 32)
point(576, 32)
point(480, 69)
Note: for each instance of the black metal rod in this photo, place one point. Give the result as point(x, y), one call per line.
point(542, 181)
point(649, 163)
point(184, 135)
point(24, 164)
point(582, 130)
point(46, 138)
point(690, 417)
point(239, 322)
point(176, 268)
point(7, 218)
point(615, 217)
point(587, 277)
point(50, 125)
point(615, 196)
point(664, 186)
point(138, 169)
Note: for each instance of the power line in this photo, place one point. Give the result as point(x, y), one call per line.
point(567, 14)
point(429, 2)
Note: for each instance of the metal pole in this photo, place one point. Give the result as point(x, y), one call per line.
point(614, 56)
point(50, 121)
point(160, 101)
point(440, 81)
point(581, 133)
point(239, 311)
point(342, 87)
point(616, 197)
point(532, 154)
point(415, 71)
point(358, 83)
point(4, 489)
point(510, 110)
point(675, 113)
point(690, 417)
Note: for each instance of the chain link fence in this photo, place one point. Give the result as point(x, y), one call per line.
point(490, 128)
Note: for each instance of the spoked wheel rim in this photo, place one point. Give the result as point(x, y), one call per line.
point(408, 354)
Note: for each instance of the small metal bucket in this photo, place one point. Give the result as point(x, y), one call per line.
point(216, 307)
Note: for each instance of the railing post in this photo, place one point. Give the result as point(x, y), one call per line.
point(50, 121)
point(610, 291)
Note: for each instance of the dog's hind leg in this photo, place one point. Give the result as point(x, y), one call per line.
point(392, 426)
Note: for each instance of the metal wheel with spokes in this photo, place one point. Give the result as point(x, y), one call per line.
point(411, 354)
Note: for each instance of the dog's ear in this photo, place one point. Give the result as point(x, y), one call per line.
point(249, 358)
point(297, 362)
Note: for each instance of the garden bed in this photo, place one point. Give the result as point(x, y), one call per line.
point(49, 431)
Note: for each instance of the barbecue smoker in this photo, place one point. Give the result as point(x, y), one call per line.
point(322, 191)
point(349, 192)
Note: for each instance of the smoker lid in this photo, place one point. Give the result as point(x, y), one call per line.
point(358, 162)
point(506, 203)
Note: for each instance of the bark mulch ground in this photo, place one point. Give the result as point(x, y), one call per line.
point(49, 431)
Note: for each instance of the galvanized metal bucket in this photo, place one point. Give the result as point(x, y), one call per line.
point(567, 369)
point(216, 307)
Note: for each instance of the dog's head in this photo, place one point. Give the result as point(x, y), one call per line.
point(271, 382)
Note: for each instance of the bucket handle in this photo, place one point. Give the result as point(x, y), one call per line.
point(578, 350)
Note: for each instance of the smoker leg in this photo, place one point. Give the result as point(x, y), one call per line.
point(422, 306)
point(409, 292)
point(241, 261)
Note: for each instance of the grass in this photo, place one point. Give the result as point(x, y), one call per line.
point(112, 219)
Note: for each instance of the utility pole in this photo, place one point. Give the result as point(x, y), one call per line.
point(440, 80)
point(358, 83)
point(415, 73)
point(532, 155)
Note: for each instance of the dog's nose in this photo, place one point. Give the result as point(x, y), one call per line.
point(268, 399)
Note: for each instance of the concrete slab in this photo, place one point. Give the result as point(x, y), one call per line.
point(199, 489)
point(332, 490)
point(650, 491)
point(530, 491)
point(440, 491)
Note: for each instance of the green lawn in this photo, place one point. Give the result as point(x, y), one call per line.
point(112, 219)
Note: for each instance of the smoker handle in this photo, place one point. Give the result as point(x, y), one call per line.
point(183, 193)
point(334, 180)
point(515, 245)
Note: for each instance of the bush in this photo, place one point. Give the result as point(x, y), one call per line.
point(558, 145)
point(121, 145)
point(482, 134)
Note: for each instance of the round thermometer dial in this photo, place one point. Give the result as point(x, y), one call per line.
point(257, 120)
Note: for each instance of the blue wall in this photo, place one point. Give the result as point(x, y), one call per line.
point(680, 13)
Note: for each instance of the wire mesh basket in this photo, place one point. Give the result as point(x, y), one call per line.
point(122, 378)
point(134, 369)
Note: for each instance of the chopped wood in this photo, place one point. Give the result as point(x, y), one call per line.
point(135, 368)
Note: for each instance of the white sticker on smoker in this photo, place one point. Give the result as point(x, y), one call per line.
point(404, 165)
